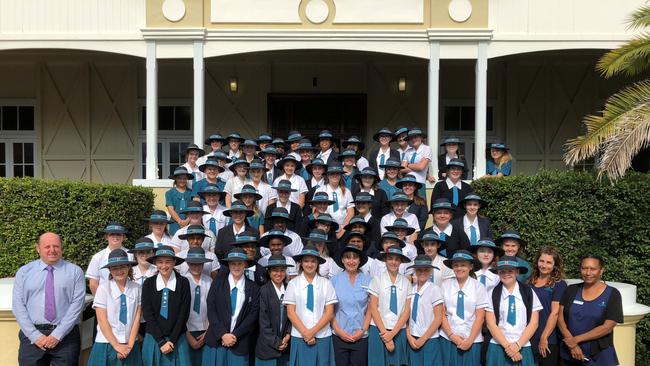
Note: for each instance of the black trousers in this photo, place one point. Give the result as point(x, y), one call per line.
point(350, 354)
point(66, 353)
point(551, 359)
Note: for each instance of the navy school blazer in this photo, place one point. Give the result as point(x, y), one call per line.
point(484, 226)
point(270, 336)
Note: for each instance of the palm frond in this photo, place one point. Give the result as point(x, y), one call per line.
point(639, 19)
point(630, 59)
point(600, 128)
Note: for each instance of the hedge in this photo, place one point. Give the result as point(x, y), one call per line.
point(579, 214)
point(74, 210)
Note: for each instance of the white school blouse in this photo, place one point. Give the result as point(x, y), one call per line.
point(422, 152)
point(441, 272)
point(491, 278)
point(198, 322)
point(513, 332)
point(108, 297)
point(208, 242)
point(99, 260)
point(291, 271)
point(297, 183)
point(380, 287)
point(390, 217)
point(208, 267)
point(220, 219)
point(475, 297)
point(344, 200)
point(379, 267)
point(324, 294)
point(166, 240)
point(430, 296)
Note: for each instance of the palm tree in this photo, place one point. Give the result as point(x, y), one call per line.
point(622, 129)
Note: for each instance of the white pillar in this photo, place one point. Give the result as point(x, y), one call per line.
point(481, 110)
point(152, 111)
point(433, 102)
point(199, 94)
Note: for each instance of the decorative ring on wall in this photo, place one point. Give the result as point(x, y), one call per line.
point(317, 12)
point(173, 10)
point(460, 10)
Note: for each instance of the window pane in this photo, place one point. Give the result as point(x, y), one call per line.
point(29, 152)
point(9, 118)
point(452, 118)
point(3, 158)
point(18, 171)
point(183, 117)
point(18, 153)
point(3, 171)
point(26, 118)
point(29, 170)
point(175, 156)
point(166, 118)
point(143, 118)
point(467, 118)
point(489, 119)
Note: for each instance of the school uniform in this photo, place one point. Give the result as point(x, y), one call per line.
point(386, 291)
point(347, 179)
point(312, 186)
point(343, 201)
point(421, 212)
point(412, 155)
point(443, 160)
point(547, 295)
point(225, 175)
point(513, 319)
point(480, 228)
point(274, 325)
point(208, 268)
point(291, 271)
point(304, 229)
point(327, 156)
point(201, 184)
point(373, 235)
point(453, 237)
point(492, 169)
point(487, 278)
point(390, 189)
point(445, 189)
point(234, 185)
point(271, 174)
point(256, 220)
point(440, 271)
point(379, 267)
point(198, 174)
point(350, 313)
point(266, 191)
point(197, 322)
point(389, 219)
point(380, 205)
point(423, 300)
point(473, 297)
point(231, 311)
point(378, 157)
point(121, 307)
point(227, 236)
point(140, 276)
point(329, 269)
point(95, 269)
point(179, 200)
point(165, 240)
point(182, 245)
point(214, 221)
point(295, 215)
point(166, 320)
point(297, 183)
point(524, 276)
point(323, 294)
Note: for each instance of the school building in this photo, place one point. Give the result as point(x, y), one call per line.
point(112, 90)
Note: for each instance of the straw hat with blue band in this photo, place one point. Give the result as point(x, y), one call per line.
point(118, 257)
point(309, 250)
point(510, 235)
point(215, 137)
point(238, 206)
point(393, 250)
point(324, 218)
point(114, 228)
point(211, 163)
point(363, 258)
point(367, 172)
point(400, 224)
point(400, 196)
point(235, 136)
point(248, 189)
point(245, 237)
point(314, 163)
point(196, 256)
point(486, 243)
point(409, 178)
point(158, 216)
point(472, 197)
point(238, 162)
point(220, 155)
point(392, 163)
point(165, 252)
point(209, 189)
point(143, 245)
point(274, 234)
point(181, 170)
point(347, 154)
point(460, 256)
point(389, 235)
point(316, 235)
point(325, 135)
point(264, 137)
point(284, 185)
point(353, 140)
point(193, 230)
point(383, 131)
point(277, 261)
point(194, 147)
point(442, 204)
point(416, 131)
point(194, 207)
point(499, 146)
point(287, 159)
point(431, 236)
point(450, 140)
point(236, 255)
point(507, 263)
point(280, 213)
point(357, 220)
point(422, 261)
point(321, 197)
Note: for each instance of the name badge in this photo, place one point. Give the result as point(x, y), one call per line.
point(578, 302)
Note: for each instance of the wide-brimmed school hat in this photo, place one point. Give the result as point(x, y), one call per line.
point(399, 196)
point(508, 262)
point(422, 261)
point(442, 204)
point(383, 131)
point(274, 234)
point(325, 135)
point(114, 228)
point(210, 163)
point(214, 137)
point(158, 216)
point(193, 230)
point(462, 255)
point(357, 234)
point(431, 235)
point(238, 206)
point(334, 167)
point(237, 162)
point(194, 207)
point(363, 258)
point(450, 140)
point(143, 244)
point(209, 189)
point(191, 147)
point(264, 137)
point(315, 162)
point(409, 178)
point(347, 154)
point(472, 197)
point(164, 251)
point(280, 213)
point(321, 197)
point(305, 145)
point(316, 235)
point(364, 197)
point(416, 131)
point(284, 185)
point(118, 257)
point(257, 164)
point(499, 146)
point(250, 143)
point(367, 172)
point(181, 170)
point(294, 136)
point(269, 150)
point(286, 159)
point(196, 256)
point(357, 220)
point(220, 155)
point(278, 141)
point(248, 189)
point(324, 218)
point(400, 130)
point(394, 250)
point(309, 250)
point(236, 255)
point(456, 163)
point(353, 140)
point(401, 224)
point(277, 261)
point(389, 235)
point(245, 237)
point(235, 136)
point(512, 235)
point(392, 163)
point(486, 243)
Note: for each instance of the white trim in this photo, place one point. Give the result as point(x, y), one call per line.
point(152, 110)
point(154, 183)
point(173, 33)
point(464, 34)
point(198, 124)
point(316, 35)
point(433, 110)
point(480, 110)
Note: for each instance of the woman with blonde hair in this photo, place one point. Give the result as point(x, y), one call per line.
point(500, 162)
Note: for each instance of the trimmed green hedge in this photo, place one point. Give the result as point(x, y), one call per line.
point(578, 214)
point(74, 210)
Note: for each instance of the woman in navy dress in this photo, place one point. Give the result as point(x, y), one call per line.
point(589, 312)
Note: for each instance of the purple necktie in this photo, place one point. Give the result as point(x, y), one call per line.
point(50, 307)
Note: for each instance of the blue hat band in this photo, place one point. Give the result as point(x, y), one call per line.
point(422, 263)
point(165, 252)
point(248, 191)
point(238, 208)
point(472, 197)
point(507, 264)
point(364, 199)
point(118, 259)
point(309, 252)
point(415, 131)
point(141, 246)
point(280, 214)
point(158, 217)
point(452, 141)
point(430, 237)
point(394, 251)
point(283, 186)
point(115, 228)
point(498, 146)
point(193, 209)
point(456, 163)
point(462, 256)
point(486, 243)
point(245, 239)
point(195, 232)
point(237, 255)
point(317, 237)
point(196, 255)
point(511, 236)
point(276, 262)
point(442, 205)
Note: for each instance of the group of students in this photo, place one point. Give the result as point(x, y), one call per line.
point(337, 267)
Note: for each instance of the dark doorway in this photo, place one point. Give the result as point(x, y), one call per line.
point(343, 115)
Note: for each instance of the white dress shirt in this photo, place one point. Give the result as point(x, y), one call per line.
point(208, 242)
point(166, 240)
point(108, 297)
point(422, 152)
point(386, 155)
point(208, 268)
point(198, 174)
point(241, 297)
point(513, 332)
point(221, 220)
point(467, 224)
point(324, 294)
point(441, 272)
point(234, 185)
point(345, 202)
point(297, 183)
point(430, 296)
point(390, 217)
point(99, 260)
point(198, 322)
point(362, 163)
point(296, 244)
point(139, 276)
point(324, 155)
point(380, 286)
point(474, 297)
point(491, 278)
point(266, 191)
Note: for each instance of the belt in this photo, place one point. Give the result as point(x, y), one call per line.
point(45, 326)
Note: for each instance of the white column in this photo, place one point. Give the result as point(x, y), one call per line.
point(481, 110)
point(433, 102)
point(152, 111)
point(199, 94)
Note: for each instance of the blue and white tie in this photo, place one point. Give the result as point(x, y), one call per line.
point(393, 299)
point(460, 305)
point(197, 300)
point(512, 313)
point(164, 303)
point(123, 309)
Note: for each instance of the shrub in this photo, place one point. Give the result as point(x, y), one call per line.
point(74, 210)
point(578, 214)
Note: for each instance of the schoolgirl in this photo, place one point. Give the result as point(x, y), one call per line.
point(452, 188)
point(455, 239)
point(143, 249)
point(380, 155)
point(399, 203)
point(392, 169)
point(289, 165)
point(197, 323)
point(326, 144)
point(355, 144)
point(249, 148)
point(318, 238)
point(474, 227)
point(500, 162)
point(427, 312)
point(249, 196)
point(363, 203)
point(348, 160)
point(318, 204)
point(264, 140)
point(249, 244)
point(215, 141)
point(256, 171)
point(269, 156)
point(158, 222)
point(306, 152)
point(326, 223)
point(390, 239)
point(316, 171)
point(417, 158)
point(177, 198)
point(343, 208)
point(487, 254)
point(430, 244)
point(358, 225)
point(276, 241)
point(283, 191)
point(512, 317)
point(310, 301)
point(293, 141)
point(280, 146)
point(351, 314)
point(114, 234)
point(410, 186)
point(211, 170)
point(234, 140)
point(367, 181)
point(390, 310)
point(401, 137)
point(224, 161)
point(240, 178)
point(194, 236)
point(214, 219)
point(511, 243)
point(233, 308)
point(279, 221)
point(166, 308)
point(272, 346)
point(451, 150)
point(117, 308)
point(237, 213)
point(195, 213)
point(192, 154)
point(465, 302)
point(405, 233)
